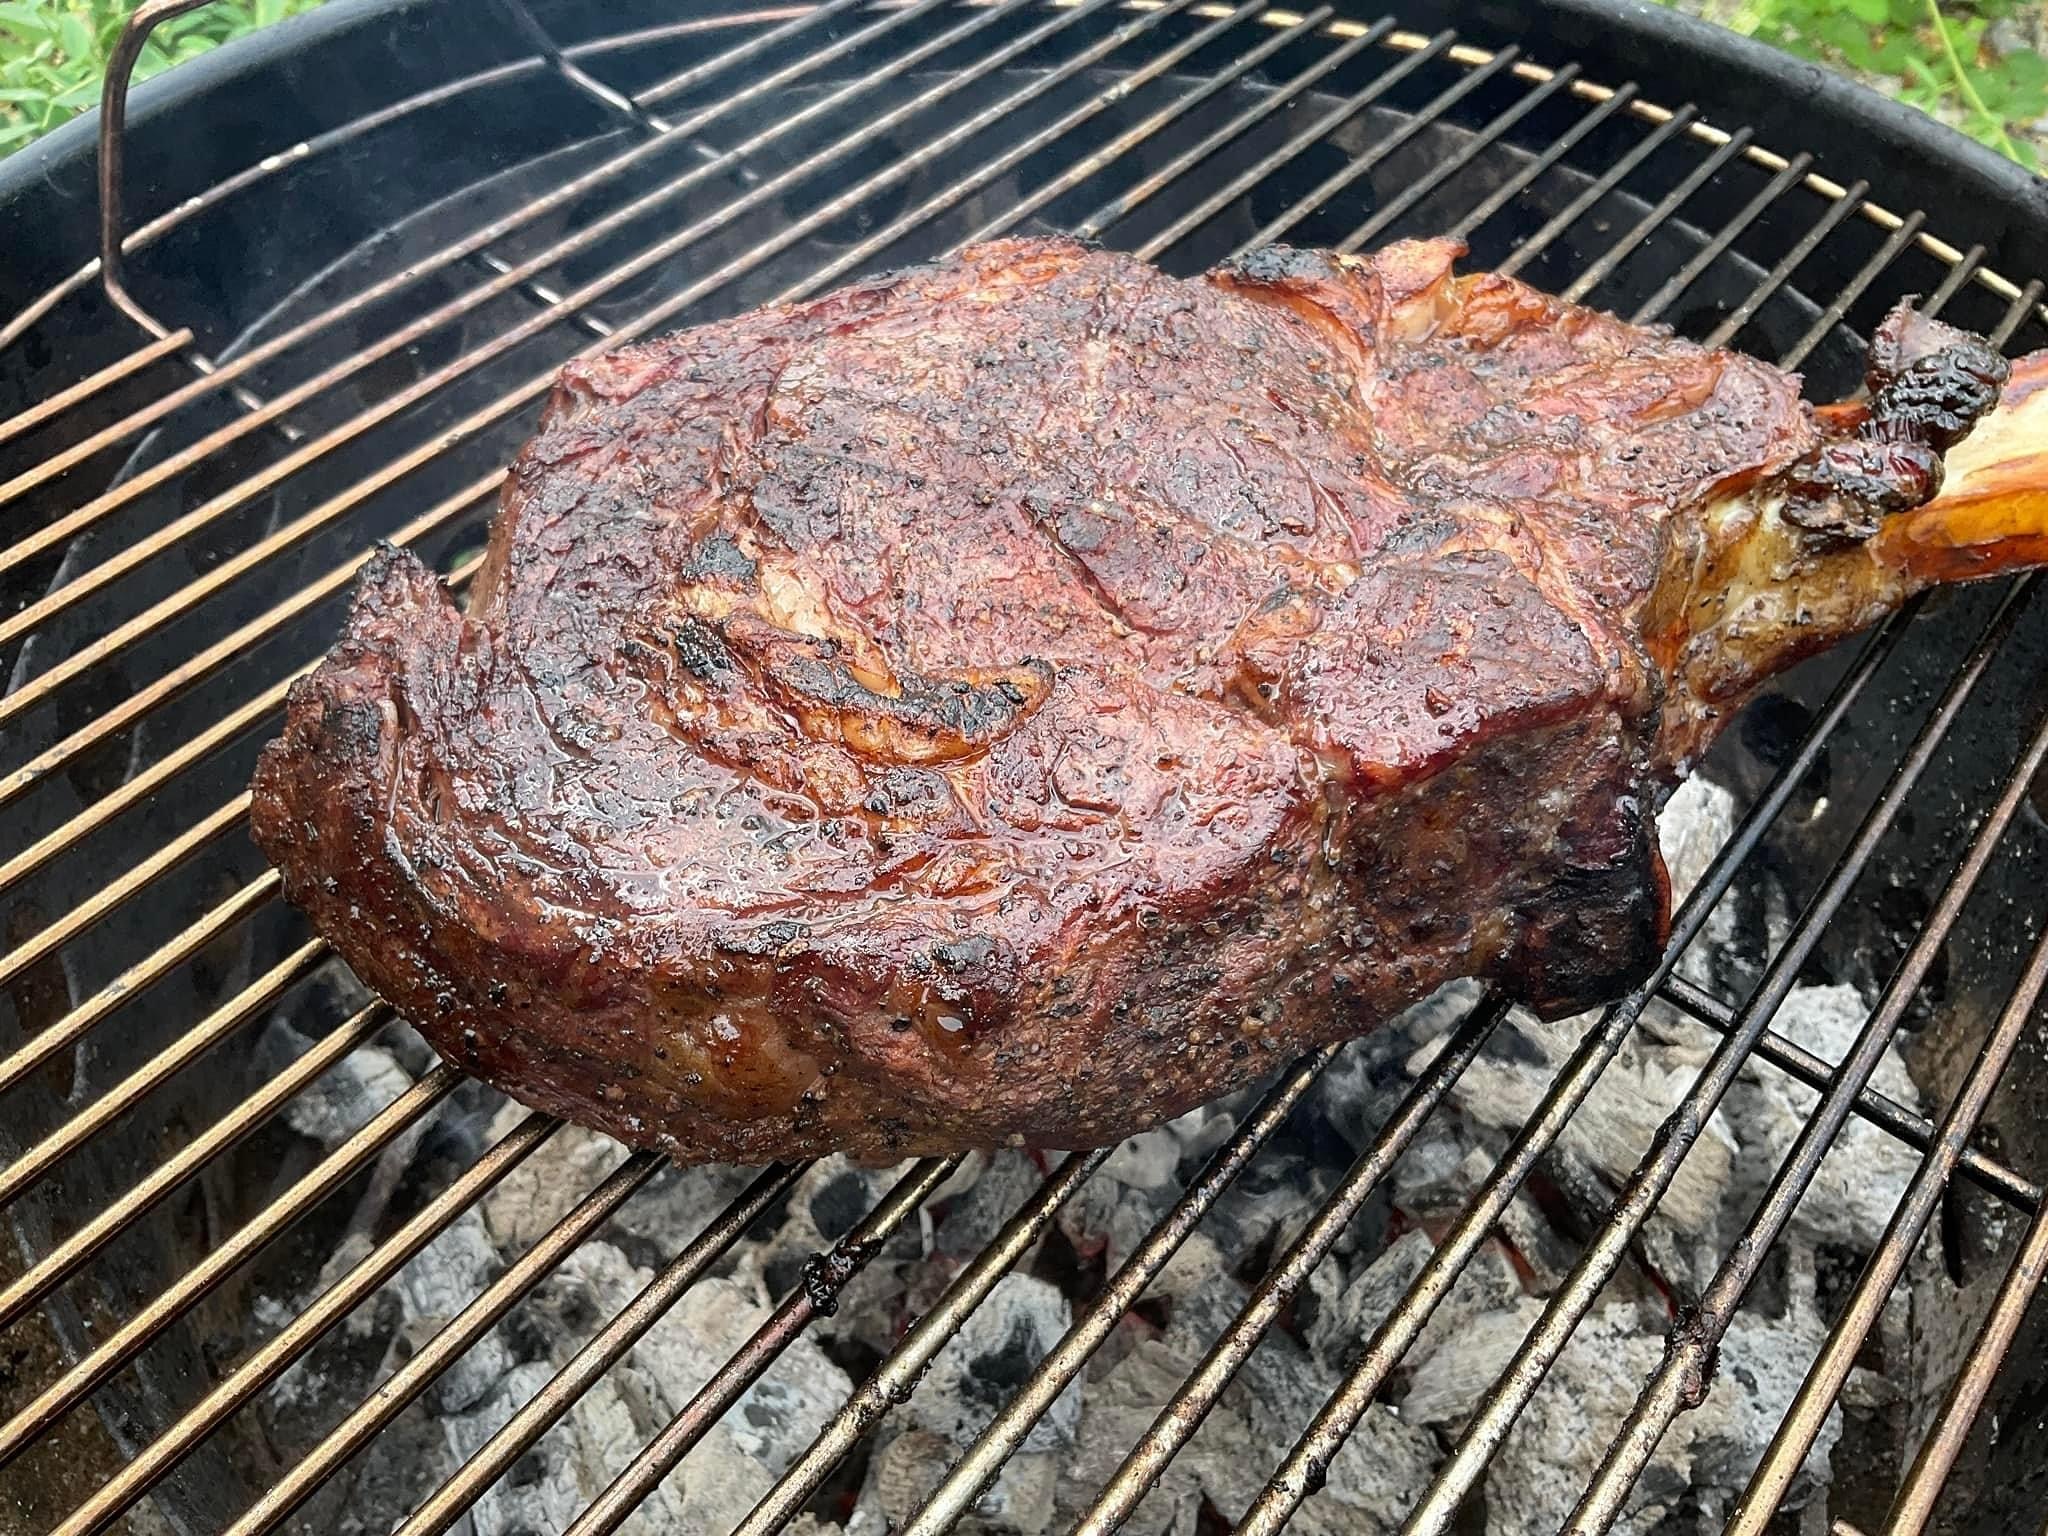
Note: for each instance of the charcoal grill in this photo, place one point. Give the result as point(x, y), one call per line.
point(336, 266)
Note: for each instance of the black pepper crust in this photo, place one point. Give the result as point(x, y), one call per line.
point(1024, 696)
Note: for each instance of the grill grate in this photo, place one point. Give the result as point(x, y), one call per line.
point(818, 142)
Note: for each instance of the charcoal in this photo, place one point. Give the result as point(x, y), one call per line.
point(672, 1208)
point(777, 1417)
point(439, 1282)
point(984, 1364)
point(1612, 1131)
point(1488, 1285)
point(1433, 1177)
point(1199, 1264)
point(1119, 1407)
point(1695, 822)
point(1444, 1389)
point(1342, 1327)
point(1130, 1224)
point(528, 1201)
point(904, 1472)
point(1146, 1162)
point(1363, 1085)
point(1021, 1498)
point(586, 1290)
point(1862, 1179)
point(1202, 1130)
point(547, 1487)
point(1275, 1393)
point(347, 1095)
point(910, 1464)
point(974, 1217)
point(1537, 1243)
point(1084, 1220)
point(1704, 1460)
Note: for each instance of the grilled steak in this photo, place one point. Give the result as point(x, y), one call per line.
point(1021, 697)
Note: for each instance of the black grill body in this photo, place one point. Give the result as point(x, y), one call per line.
point(1675, 174)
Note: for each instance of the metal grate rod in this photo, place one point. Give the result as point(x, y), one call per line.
point(57, 1265)
point(1366, 159)
point(1937, 1454)
point(604, 1350)
point(1715, 248)
point(1605, 183)
point(539, 384)
point(1830, 219)
point(148, 233)
point(973, 1472)
point(242, 718)
point(897, 1376)
point(1183, 1415)
point(824, 1277)
point(1093, 226)
point(898, 1373)
point(137, 1085)
point(47, 940)
point(1653, 220)
point(1553, 153)
point(228, 815)
point(803, 19)
point(1838, 307)
point(1450, 165)
point(1211, 84)
point(121, 1490)
point(1881, 1110)
point(326, 1176)
point(1331, 120)
point(143, 785)
point(98, 575)
point(236, 644)
point(2002, 333)
point(986, 172)
point(1823, 1382)
point(1298, 1475)
point(447, 1345)
point(475, 244)
point(1503, 1404)
point(92, 384)
point(135, 980)
point(1683, 1376)
point(255, 894)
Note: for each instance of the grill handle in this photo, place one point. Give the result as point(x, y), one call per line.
point(145, 19)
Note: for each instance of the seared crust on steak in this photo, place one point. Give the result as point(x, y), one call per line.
point(1017, 698)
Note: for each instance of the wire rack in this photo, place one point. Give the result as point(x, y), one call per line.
point(800, 146)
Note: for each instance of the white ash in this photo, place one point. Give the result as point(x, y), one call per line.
point(347, 1095)
point(1371, 1486)
point(1705, 1459)
point(984, 1364)
point(1692, 828)
point(528, 1201)
point(1864, 1176)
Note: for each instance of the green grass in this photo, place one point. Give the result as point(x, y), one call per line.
point(53, 53)
point(1937, 54)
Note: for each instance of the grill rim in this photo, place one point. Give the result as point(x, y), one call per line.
point(1963, 273)
point(1967, 192)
